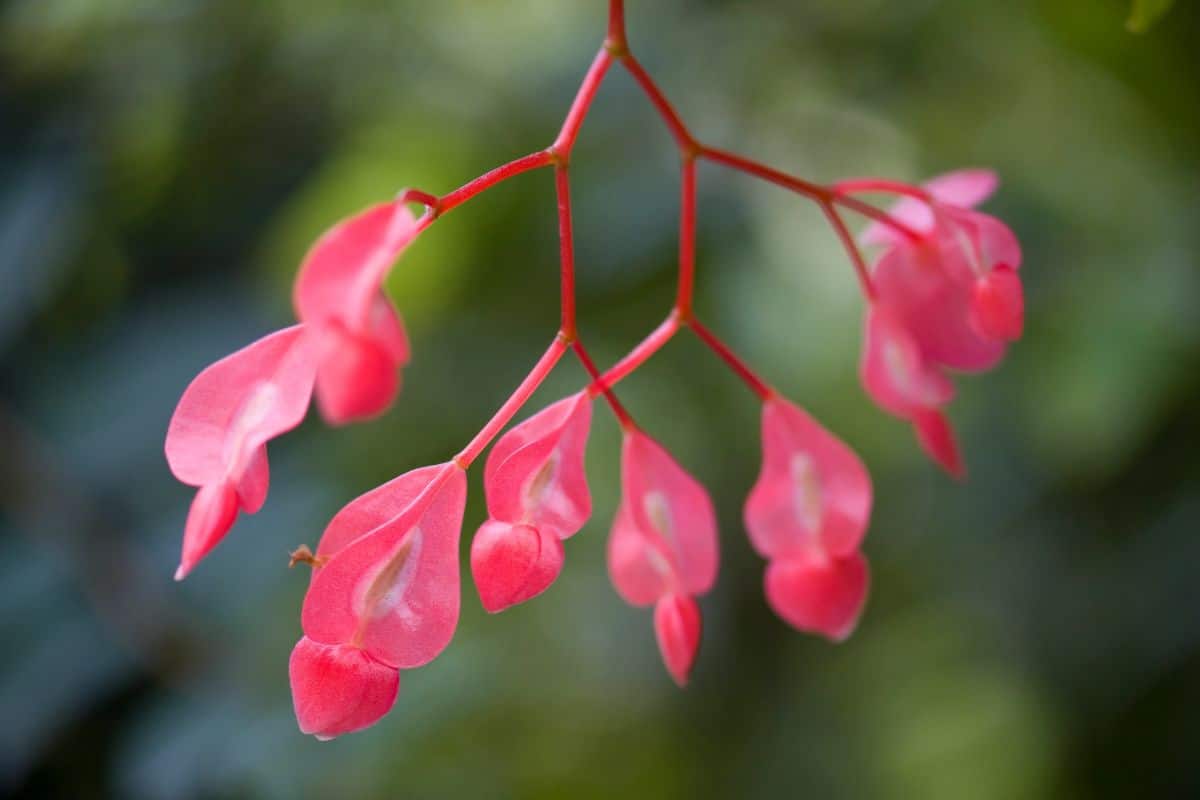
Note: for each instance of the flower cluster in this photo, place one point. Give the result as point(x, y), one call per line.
point(944, 294)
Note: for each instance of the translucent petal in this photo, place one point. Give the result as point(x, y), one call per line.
point(822, 596)
point(394, 591)
point(513, 563)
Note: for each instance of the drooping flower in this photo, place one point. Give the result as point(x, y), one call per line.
point(903, 381)
point(965, 188)
point(218, 435)
point(813, 493)
point(384, 594)
point(818, 593)
point(537, 495)
point(360, 340)
point(663, 546)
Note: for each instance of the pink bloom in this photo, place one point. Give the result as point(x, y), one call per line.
point(677, 628)
point(663, 544)
point(818, 594)
point(385, 590)
point(218, 435)
point(537, 495)
point(813, 493)
point(339, 689)
point(361, 343)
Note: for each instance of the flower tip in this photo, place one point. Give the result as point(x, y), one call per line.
point(338, 689)
point(513, 563)
point(677, 626)
point(937, 439)
point(181, 572)
point(825, 598)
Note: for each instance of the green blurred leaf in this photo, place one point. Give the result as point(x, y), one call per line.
point(1146, 12)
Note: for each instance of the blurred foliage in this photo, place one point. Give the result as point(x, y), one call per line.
point(1146, 12)
point(166, 162)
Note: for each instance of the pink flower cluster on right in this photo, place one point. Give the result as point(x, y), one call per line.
point(949, 298)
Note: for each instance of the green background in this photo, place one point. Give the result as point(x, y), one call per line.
point(1033, 633)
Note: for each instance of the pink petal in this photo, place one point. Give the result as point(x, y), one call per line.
point(640, 566)
point(339, 689)
point(513, 563)
point(988, 242)
point(394, 591)
point(677, 627)
point(535, 473)
point(341, 276)
point(238, 404)
point(894, 369)
point(998, 305)
point(370, 510)
point(965, 188)
point(937, 439)
point(819, 596)
point(813, 492)
point(211, 516)
point(339, 294)
point(666, 503)
point(933, 305)
point(357, 379)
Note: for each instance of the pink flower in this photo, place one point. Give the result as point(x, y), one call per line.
point(819, 594)
point(663, 546)
point(218, 435)
point(813, 493)
point(384, 595)
point(965, 188)
point(807, 515)
point(537, 495)
point(361, 343)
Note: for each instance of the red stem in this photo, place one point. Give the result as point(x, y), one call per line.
point(683, 138)
point(513, 404)
point(566, 247)
point(618, 410)
point(583, 101)
point(542, 158)
point(687, 238)
point(616, 25)
point(865, 185)
point(637, 356)
point(756, 384)
point(860, 265)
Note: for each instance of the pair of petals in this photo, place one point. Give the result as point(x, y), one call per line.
point(218, 434)
point(663, 547)
point(384, 596)
point(808, 514)
point(361, 340)
point(537, 495)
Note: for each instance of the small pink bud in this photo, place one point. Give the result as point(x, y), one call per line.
point(339, 689)
point(513, 563)
point(677, 627)
point(813, 493)
point(388, 581)
point(937, 439)
point(535, 473)
point(823, 596)
point(998, 305)
point(217, 437)
point(339, 294)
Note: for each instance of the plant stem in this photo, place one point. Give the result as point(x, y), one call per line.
point(513, 404)
point(637, 356)
point(588, 364)
point(756, 384)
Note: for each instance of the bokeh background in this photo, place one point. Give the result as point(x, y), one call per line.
point(1033, 633)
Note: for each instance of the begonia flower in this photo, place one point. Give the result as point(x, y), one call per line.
point(218, 435)
point(360, 340)
point(537, 495)
point(385, 583)
point(663, 545)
